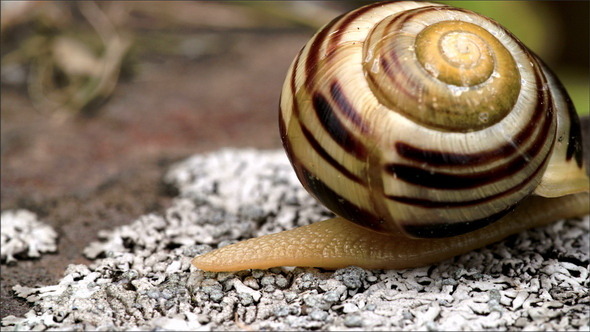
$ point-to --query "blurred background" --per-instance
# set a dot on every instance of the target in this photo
(99, 98)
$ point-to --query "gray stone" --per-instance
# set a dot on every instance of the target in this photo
(353, 320)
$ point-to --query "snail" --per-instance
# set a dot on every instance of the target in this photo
(429, 131)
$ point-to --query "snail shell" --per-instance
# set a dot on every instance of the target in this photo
(419, 120)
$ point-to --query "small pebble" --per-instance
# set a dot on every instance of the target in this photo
(351, 277)
(154, 294)
(282, 311)
(281, 281)
(318, 315)
(290, 296)
(331, 297)
(216, 295)
(251, 282)
(353, 321)
(267, 280)
(167, 293)
(258, 273)
(349, 307)
(196, 250)
(246, 299)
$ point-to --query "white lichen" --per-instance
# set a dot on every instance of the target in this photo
(22, 235)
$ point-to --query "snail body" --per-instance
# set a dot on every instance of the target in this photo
(429, 131)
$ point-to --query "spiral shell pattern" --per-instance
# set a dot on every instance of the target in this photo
(418, 118)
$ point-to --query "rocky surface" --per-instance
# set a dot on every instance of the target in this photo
(141, 277)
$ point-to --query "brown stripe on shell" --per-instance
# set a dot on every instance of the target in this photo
(309, 136)
(346, 107)
(443, 180)
(389, 62)
(311, 61)
(297, 166)
(346, 21)
(440, 158)
(293, 83)
(336, 129)
(391, 65)
(393, 82)
(448, 229)
(327, 157)
(428, 203)
(407, 15)
(574, 145)
(338, 204)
